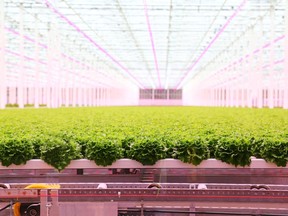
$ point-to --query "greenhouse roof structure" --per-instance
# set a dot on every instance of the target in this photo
(163, 44)
(154, 44)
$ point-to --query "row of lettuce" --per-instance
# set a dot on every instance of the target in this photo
(144, 134)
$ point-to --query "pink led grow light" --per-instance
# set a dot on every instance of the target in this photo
(46, 47)
(41, 62)
(54, 10)
(210, 44)
(25, 36)
(215, 75)
(254, 53)
(24, 56)
(152, 42)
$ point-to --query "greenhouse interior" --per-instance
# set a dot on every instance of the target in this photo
(143, 107)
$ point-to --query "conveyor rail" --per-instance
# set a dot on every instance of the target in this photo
(128, 194)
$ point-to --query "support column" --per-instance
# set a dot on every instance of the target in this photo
(250, 69)
(90, 91)
(21, 68)
(30, 94)
(50, 68)
(54, 209)
(66, 83)
(260, 76)
(37, 65)
(92, 103)
(3, 76)
(43, 203)
(285, 102)
(99, 96)
(12, 95)
(214, 96)
(272, 58)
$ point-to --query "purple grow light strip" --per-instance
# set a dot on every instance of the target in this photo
(254, 52)
(152, 42)
(49, 5)
(263, 67)
(266, 45)
(279, 61)
(46, 47)
(26, 37)
(24, 56)
(44, 63)
(83, 64)
(279, 38)
(211, 43)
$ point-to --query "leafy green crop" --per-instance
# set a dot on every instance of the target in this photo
(58, 152)
(15, 151)
(192, 150)
(104, 151)
(147, 150)
(234, 150)
(275, 151)
(145, 134)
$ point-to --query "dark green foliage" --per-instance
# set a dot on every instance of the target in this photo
(15, 151)
(146, 134)
(37, 141)
(104, 151)
(58, 152)
(211, 142)
(275, 151)
(234, 150)
(257, 146)
(127, 142)
(192, 150)
(82, 141)
(147, 150)
(12, 105)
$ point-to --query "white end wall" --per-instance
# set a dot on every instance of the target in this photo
(194, 95)
(125, 95)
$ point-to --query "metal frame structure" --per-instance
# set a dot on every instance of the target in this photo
(69, 53)
(265, 191)
(224, 199)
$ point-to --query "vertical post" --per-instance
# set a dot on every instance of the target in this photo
(22, 62)
(90, 95)
(97, 96)
(242, 68)
(142, 208)
(109, 97)
(214, 102)
(92, 91)
(255, 70)
(54, 209)
(285, 97)
(74, 85)
(3, 77)
(192, 209)
(105, 96)
(250, 69)
(272, 57)
(94, 96)
(260, 68)
(49, 72)
(43, 203)
(65, 89)
(101, 96)
(37, 68)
